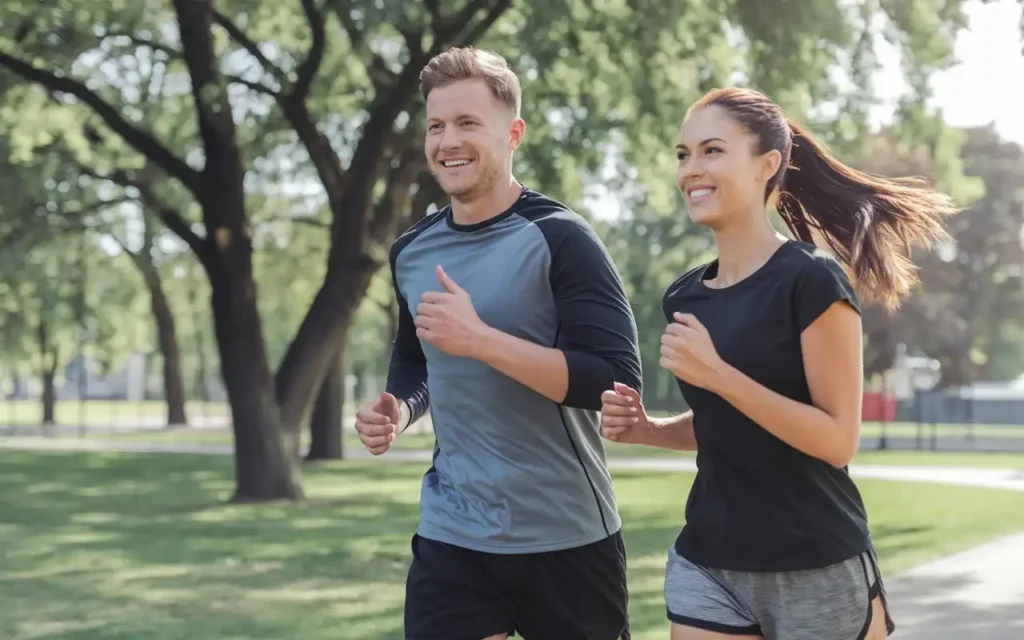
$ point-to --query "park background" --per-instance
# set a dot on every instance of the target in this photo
(198, 201)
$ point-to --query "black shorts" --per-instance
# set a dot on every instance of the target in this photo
(454, 593)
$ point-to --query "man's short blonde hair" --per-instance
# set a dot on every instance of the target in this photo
(470, 63)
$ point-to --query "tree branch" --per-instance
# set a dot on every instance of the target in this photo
(314, 58)
(350, 224)
(396, 197)
(459, 30)
(142, 141)
(249, 45)
(139, 41)
(310, 222)
(171, 217)
(258, 87)
(343, 9)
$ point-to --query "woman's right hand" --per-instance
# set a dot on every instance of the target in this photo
(623, 418)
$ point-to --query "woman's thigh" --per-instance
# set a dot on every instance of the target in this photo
(841, 601)
(681, 632)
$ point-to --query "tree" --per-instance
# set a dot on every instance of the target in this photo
(971, 297)
(598, 80)
(265, 465)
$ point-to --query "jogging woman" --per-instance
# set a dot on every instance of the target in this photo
(765, 341)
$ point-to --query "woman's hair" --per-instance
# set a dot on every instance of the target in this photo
(868, 221)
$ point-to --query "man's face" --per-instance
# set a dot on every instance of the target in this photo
(470, 138)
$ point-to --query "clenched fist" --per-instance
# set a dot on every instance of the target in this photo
(623, 418)
(377, 423)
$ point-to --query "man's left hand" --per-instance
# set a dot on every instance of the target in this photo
(447, 320)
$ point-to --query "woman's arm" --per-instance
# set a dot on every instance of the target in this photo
(671, 433)
(624, 419)
(830, 428)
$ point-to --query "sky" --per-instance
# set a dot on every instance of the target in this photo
(988, 83)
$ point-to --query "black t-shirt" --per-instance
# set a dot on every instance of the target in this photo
(757, 503)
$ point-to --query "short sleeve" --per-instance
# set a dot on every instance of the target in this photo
(821, 283)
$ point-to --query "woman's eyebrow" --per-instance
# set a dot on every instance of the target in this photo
(702, 142)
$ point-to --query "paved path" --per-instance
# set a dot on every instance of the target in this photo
(975, 595)
(975, 477)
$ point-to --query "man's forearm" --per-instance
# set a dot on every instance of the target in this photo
(542, 369)
(404, 415)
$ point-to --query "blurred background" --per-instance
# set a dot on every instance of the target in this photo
(197, 204)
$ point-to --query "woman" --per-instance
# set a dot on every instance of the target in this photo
(765, 341)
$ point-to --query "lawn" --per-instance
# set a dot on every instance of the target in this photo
(413, 440)
(105, 546)
(105, 413)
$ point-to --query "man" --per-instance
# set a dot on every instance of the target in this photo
(512, 322)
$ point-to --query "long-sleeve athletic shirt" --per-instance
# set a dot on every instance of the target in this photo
(513, 471)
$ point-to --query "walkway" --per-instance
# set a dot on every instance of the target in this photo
(978, 594)
(974, 595)
(974, 477)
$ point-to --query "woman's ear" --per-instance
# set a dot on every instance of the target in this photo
(770, 163)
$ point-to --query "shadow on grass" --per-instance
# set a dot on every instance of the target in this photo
(129, 546)
(132, 545)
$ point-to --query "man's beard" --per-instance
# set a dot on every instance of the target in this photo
(464, 190)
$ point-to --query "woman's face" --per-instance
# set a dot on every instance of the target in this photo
(719, 174)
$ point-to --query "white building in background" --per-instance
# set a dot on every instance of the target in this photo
(133, 380)
(82, 376)
(912, 373)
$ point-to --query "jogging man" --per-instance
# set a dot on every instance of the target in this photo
(512, 322)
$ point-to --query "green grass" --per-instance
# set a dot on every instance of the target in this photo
(413, 440)
(126, 546)
(101, 412)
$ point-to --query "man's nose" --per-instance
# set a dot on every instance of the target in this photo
(450, 140)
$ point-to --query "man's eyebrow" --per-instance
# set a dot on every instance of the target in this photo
(459, 116)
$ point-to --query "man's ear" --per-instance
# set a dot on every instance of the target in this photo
(516, 131)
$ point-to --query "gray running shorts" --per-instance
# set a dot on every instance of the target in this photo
(831, 603)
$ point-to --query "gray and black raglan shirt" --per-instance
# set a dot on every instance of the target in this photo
(514, 472)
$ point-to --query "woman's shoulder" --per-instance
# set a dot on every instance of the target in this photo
(804, 257)
(820, 280)
(688, 280)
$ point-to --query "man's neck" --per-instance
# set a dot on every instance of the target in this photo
(488, 205)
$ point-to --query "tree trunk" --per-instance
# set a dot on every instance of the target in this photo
(202, 373)
(326, 424)
(266, 460)
(321, 338)
(174, 383)
(49, 398)
(48, 370)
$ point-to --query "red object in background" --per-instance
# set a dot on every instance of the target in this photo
(878, 407)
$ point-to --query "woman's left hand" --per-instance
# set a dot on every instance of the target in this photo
(688, 352)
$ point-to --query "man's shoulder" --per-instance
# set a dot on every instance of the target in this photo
(417, 228)
(556, 220)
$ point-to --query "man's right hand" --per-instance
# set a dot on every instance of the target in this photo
(623, 418)
(377, 423)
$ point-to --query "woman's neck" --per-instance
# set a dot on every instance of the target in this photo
(743, 249)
